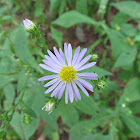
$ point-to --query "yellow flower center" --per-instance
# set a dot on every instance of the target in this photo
(67, 73)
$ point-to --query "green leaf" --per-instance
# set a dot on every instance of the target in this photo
(57, 35)
(131, 92)
(34, 98)
(68, 113)
(135, 106)
(130, 8)
(101, 72)
(23, 130)
(113, 131)
(5, 79)
(21, 79)
(71, 18)
(118, 42)
(81, 6)
(132, 122)
(97, 136)
(86, 105)
(28, 110)
(126, 59)
(9, 92)
(84, 128)
(128, 29)
(22, 49)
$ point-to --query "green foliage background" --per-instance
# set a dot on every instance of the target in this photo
(113, 33)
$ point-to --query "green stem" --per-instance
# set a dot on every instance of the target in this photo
(14, 107)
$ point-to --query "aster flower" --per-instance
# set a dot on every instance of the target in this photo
(28, 24)
(67, 77)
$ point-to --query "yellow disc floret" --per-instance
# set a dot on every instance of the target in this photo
(67, 73)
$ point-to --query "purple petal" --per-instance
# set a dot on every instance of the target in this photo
(83, 61)
(59, 56)
(57, 89)
(54, 57)
(76, 90)
(51, 64)
(82, 88)
(61, 91)
(88, 75)
(70, 92)
(66, 51)
(66, 94)
(52, 87)
(61, 53)
(69, 54)
(52, 61)
(48, 68)
(51, 82)
(76, 54)
(47, 77)
(86, 84)
(87, 66)
(81, 55)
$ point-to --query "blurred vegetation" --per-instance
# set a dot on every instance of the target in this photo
(109, 28)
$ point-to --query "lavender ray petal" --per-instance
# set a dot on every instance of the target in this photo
(76, 90)
(69, 54)
(76, 54)
(82, 88)
(83, 61)
(52, 61)
(61, 91)
(57, 89)
(74, 95)
(51, 64)
(81, 55)
(66, 51)
(54, 57)
(52, 87)
(87, 66)
(49, 77)
(70, 92)
(66, 95)
(61, 53)
(51, 82)
(59, 56)
(87, 74)
(48, 68)
(86, 84)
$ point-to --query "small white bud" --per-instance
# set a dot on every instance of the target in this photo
(49, 107)
(28, 24)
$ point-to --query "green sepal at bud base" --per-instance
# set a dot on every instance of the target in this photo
(100, 83)
(94, 57)
(27, 119)
(50, 105)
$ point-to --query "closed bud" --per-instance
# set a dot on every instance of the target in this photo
(27, 119)
(29, 25)
(50, 105)
(94, 57)
(100, 83)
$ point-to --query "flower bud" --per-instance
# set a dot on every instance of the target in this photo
(50, 105)
(27, 119)
(94, 57)
(100, 83)
(29, 25)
